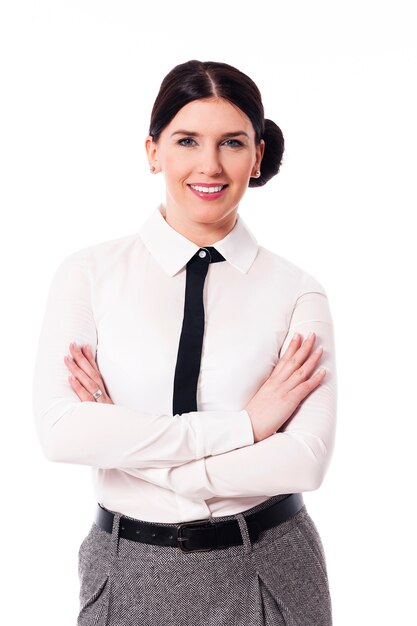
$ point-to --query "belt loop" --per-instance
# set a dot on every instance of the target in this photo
(115, 538)
(244, 531)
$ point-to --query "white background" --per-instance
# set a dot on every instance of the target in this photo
(78, 80)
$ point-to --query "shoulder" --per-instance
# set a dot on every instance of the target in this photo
(102, 255)
(285, 272)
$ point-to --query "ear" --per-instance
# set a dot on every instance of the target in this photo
(260, 149)
(151, 151)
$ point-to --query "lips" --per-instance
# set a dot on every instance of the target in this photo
(203, 193)
(219, 184)
(204, 187)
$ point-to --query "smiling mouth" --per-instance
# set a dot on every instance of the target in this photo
(208, 190)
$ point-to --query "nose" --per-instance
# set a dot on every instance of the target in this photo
(210, 163)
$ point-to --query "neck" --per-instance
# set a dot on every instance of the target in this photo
(200, 233)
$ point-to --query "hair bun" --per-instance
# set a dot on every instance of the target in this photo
(273, 153)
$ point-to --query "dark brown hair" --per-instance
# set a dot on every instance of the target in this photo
(196, 80)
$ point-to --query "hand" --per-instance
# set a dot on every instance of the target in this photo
(86, 377)
(286, 387)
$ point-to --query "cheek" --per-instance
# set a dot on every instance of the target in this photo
(240, 169)
(175, 168)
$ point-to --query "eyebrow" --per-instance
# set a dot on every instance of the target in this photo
(194, 134)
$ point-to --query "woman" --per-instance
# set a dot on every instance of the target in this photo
(181, 364)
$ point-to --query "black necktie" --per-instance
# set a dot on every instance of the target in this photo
(187, 369)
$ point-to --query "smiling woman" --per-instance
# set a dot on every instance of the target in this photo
(207, 163)
(193, 395)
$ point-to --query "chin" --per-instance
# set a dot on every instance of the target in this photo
(209, 214)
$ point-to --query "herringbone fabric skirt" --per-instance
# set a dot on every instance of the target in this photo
(278, 580)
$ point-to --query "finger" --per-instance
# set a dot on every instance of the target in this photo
(90, 379)
(288, 364)
(292, 347)
(83, 362)
(304, 371)
(103, 398)
(302, 390)
(77, 372)
(87, 393)
(84, 355)
(89, 384)
(89, 356)
(82, 393)
(79, 389)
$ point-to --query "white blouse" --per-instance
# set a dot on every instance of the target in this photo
(125, 298)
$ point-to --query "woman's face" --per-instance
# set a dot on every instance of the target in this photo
(208, 143)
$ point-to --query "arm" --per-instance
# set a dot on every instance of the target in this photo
(296, 458)
(108, 435)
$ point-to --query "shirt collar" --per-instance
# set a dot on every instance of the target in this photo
(173, 251)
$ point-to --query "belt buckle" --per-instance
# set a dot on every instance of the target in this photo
(181, 539)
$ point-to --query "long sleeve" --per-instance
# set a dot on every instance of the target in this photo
(107, 435)
(296, 458)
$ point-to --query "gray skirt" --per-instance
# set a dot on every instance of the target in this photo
(278, 580)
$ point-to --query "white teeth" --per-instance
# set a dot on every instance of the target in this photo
(207, 189)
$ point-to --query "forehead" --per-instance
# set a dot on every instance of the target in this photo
(215, 115)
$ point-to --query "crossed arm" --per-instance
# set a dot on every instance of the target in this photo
(295, 459)
(199, 455)
(109, 435)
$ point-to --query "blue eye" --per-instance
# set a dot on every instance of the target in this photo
(188, 142)
(185, 139)
(235, 141)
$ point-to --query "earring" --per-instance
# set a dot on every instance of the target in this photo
(257, 174)
(152, 169)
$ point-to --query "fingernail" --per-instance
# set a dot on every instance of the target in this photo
(296, 335)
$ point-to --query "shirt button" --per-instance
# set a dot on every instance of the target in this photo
(202, 254)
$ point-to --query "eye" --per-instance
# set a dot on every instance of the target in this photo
(236, 142)
(180, 141)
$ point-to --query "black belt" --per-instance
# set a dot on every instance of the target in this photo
(202, 535)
